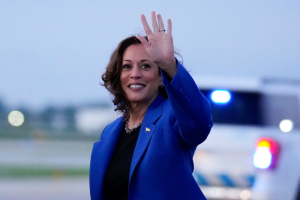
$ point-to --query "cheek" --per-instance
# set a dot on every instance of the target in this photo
(123, 87)
(122, 79)
(155, 76)
(156, 82)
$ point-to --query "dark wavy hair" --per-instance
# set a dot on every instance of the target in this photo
(111, 77)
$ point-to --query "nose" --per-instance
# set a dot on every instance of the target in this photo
(135, 72)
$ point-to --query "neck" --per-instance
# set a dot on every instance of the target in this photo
(136, 114)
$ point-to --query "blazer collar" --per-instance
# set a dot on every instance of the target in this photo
(148, 127)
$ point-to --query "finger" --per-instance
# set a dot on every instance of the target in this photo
(143, 41)
(145, 25)
(161, 26)
(169, 27)
(154, 22)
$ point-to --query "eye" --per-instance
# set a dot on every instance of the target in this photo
(146, 66)
(125, 66)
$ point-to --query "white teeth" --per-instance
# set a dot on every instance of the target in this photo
(136, 86)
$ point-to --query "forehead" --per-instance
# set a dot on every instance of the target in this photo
(136, 52)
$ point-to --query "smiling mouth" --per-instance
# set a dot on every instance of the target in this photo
(137, 86)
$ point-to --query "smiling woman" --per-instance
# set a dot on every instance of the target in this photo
(140, 77)
(148, 152)
(130, 57)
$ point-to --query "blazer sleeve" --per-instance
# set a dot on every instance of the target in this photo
(191, 109)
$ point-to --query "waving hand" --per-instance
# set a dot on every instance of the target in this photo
(160, 43)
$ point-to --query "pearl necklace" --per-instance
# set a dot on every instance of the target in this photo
(128, 130)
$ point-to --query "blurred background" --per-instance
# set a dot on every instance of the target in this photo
(53, 53)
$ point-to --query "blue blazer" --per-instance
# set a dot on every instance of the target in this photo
(162, 162)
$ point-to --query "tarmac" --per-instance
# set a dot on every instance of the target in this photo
(44, 189)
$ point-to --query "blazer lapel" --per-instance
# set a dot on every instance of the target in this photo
(147, 129)
(101, 155)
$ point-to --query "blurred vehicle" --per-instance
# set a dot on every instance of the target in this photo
(253, 150)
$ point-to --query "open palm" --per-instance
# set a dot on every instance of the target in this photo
(160, 43)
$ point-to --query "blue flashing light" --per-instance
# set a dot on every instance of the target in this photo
(220, 96)
(262, 158)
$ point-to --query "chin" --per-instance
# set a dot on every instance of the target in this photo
(139, 100)
(136, 100)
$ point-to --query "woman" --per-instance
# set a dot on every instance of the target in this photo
(147, 153)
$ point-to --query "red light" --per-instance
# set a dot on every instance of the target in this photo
(268, 143)
(262, 146)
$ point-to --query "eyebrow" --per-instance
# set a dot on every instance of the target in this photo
(141, 60)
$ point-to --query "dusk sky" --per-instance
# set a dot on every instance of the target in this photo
(54, 52)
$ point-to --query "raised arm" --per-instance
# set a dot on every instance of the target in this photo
(191, 109)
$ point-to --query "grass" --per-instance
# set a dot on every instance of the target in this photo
(33, 171)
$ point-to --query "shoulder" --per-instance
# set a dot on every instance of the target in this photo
(115, 122)
(111, 126)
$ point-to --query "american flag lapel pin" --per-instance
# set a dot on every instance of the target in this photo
(147, 129)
